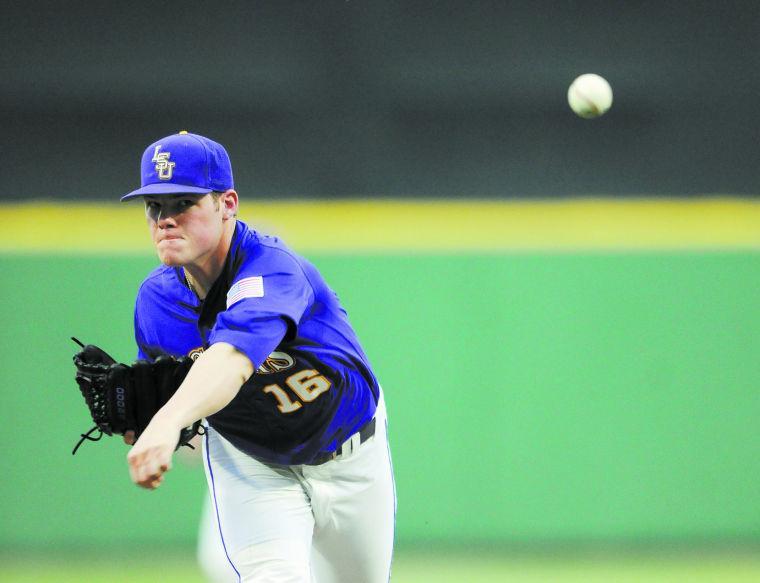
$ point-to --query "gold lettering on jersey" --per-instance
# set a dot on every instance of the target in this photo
(195, 353)
(164, 168)
(307, 384)
(276, 362)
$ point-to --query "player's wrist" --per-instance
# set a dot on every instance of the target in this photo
(171, 419)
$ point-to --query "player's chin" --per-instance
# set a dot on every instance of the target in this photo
(171, 257)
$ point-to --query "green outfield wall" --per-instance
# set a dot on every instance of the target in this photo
(533, 397)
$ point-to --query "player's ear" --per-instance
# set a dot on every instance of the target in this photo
(229, 202)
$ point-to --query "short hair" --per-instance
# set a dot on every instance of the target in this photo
(217, 194)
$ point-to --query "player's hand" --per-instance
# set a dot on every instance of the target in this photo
(151, 456)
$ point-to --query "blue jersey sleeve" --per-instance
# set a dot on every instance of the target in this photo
(140, 337)
(265, 304)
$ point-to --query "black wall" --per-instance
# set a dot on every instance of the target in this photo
(384, 98)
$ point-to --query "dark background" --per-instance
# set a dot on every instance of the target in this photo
(383, 98)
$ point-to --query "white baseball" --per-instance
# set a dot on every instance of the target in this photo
(589, 95)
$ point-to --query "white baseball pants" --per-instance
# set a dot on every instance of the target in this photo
(322, 524)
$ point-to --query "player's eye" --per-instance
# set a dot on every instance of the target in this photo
(152, 209)
(182, 204)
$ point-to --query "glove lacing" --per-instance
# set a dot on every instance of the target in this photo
(86, 436)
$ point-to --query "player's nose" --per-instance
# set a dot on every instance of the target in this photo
(165, 218)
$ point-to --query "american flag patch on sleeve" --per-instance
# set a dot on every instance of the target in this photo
(250, 287)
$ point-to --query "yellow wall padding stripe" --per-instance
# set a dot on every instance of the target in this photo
(412, 226)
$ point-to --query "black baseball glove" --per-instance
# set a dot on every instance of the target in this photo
(125, 398)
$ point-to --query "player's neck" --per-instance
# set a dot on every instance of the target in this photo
(202, 274)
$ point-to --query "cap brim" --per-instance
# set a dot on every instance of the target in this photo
(166, 188)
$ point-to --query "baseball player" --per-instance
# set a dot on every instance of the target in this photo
(295, 446)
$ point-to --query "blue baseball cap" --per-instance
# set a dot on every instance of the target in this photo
(183, 163)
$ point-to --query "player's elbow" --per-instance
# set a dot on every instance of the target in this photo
(235, 362)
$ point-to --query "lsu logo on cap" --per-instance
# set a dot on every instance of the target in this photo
(164, 168)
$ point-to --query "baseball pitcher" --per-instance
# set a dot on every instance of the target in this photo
(241, 339)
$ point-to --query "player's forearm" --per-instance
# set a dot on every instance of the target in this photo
(213, 381)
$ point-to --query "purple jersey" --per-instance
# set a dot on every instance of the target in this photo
(313, 386)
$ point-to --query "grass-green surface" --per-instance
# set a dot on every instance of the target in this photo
(531, 397)
(416, 567)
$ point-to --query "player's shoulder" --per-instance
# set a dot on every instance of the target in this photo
(265, 249)
(158, 282)
(268, 255)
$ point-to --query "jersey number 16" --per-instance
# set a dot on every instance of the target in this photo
(307, 384)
